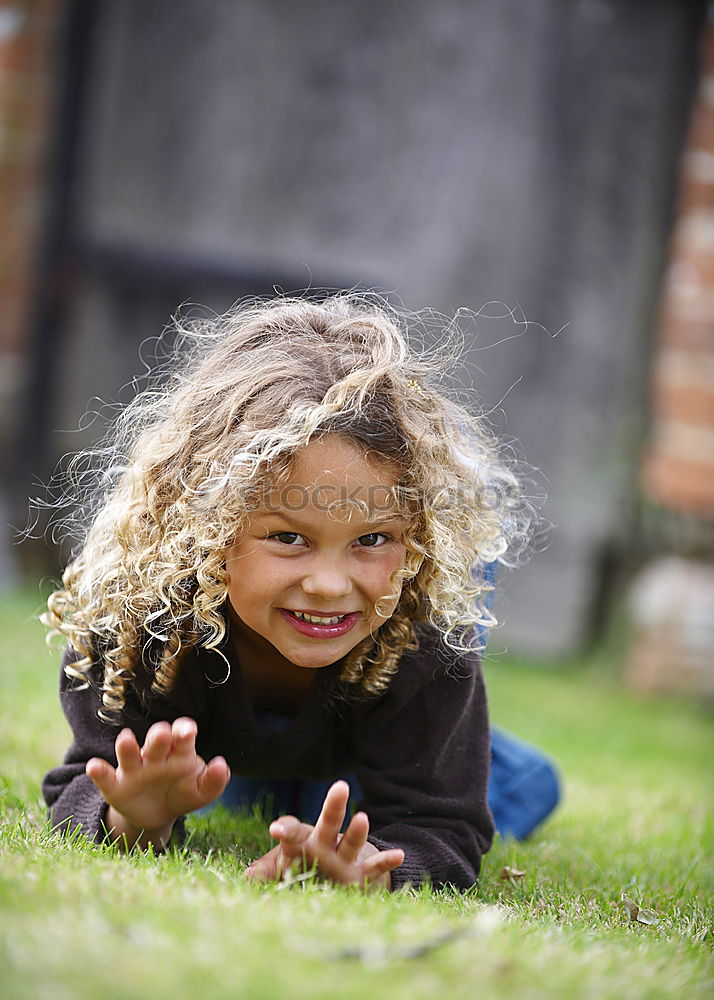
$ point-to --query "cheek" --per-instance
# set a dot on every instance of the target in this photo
(243, 558)
(382, 580)
(242, 565)
(232, 557)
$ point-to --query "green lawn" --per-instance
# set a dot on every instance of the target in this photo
(81, 922)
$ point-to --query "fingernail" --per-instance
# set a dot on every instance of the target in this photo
(277, 829)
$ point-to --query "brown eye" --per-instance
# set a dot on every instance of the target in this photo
(374, 535)
(286, 537)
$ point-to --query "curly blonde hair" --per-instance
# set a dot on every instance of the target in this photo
(239, 397)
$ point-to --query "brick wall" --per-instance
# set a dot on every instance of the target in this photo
(678, 470)
(28, 31)
(672, 599)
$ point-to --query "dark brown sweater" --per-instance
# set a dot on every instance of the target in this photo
(420, 751)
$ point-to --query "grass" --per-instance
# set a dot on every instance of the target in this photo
(78, 921)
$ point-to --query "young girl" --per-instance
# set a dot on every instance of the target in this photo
(283, 579)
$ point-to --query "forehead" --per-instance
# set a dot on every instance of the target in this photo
(332, 474)
(336, 459)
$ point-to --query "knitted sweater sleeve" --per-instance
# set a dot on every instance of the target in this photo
(424, 772)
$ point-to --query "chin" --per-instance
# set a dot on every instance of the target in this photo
(315, 662)
(313, 659)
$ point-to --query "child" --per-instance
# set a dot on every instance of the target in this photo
(281, 580)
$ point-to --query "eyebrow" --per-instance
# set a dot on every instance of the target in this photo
(292, 519)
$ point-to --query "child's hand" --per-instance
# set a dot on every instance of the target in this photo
(155, 784)
(344, 858)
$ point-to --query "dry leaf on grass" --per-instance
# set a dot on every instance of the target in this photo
(638, 915)
(511, 874)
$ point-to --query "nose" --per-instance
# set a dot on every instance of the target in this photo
(327, 577)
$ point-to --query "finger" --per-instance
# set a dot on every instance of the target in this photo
(102, 774)
(354, 838)
(213, 779)
(290, 829)
(157, 744)
(293, 836)
(183, 735)
(332, 815)
(378, 865)
(127, 750)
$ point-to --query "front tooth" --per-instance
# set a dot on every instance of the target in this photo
(317, 621)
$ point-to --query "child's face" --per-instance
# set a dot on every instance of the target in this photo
(295, 557)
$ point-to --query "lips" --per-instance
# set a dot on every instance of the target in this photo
(317, 630)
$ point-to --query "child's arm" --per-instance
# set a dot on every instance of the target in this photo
(423, 769)
(155, 784)
(120, 768)
(348, 859)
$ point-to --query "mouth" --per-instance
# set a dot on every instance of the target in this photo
(322, 626)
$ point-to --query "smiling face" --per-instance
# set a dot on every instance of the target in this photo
(295, 561)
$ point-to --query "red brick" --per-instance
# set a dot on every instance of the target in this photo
(25, 101)
(24, 54)
(13, 319)
(679, 484)
(693, 404)
(15, 285)
(15, 238)
(701, 129)
(695, 195)
(22, 87)
(29, 49)
(13, 322)
(18, 180)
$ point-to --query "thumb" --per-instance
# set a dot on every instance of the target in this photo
(266, 868)
(212, 780)
(101, 773)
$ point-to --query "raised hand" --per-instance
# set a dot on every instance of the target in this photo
(345, 858)
(155, 784)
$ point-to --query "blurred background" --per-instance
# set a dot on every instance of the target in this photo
(548, 164)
